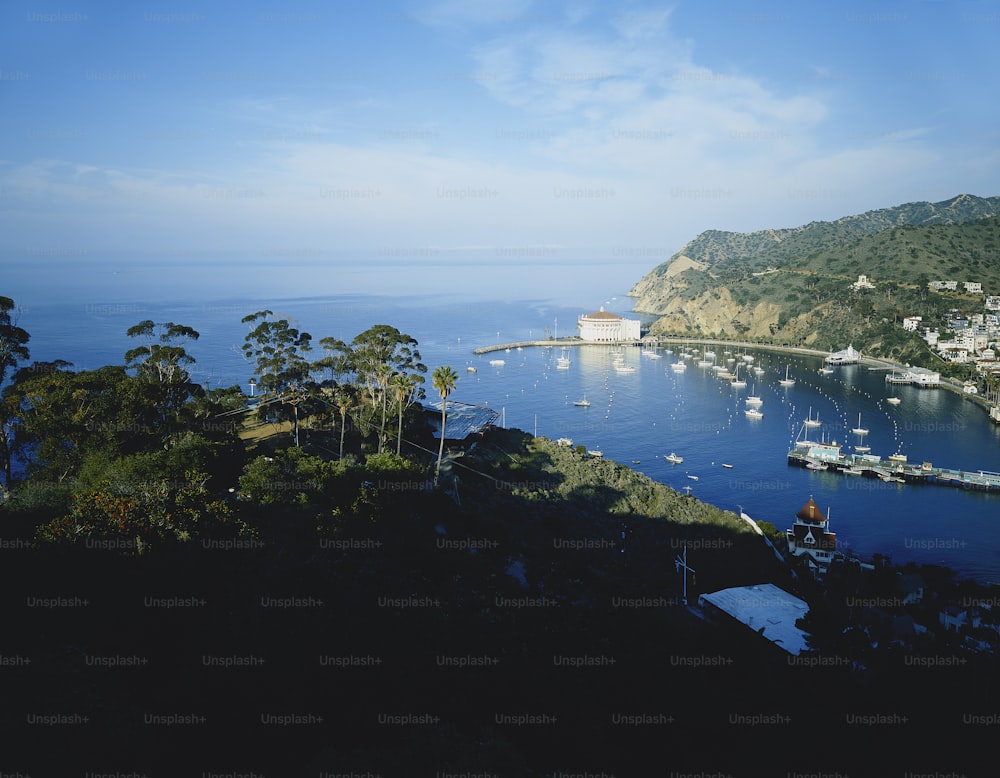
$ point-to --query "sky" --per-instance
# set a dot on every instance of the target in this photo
(546, 131)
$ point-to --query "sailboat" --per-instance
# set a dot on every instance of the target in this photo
(786, 381)
(562, 363)
(754, 399)
(861, 432)
(810, 421)
(737, 381)
(584, 403)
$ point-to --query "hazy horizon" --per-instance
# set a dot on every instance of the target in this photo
(503, 130)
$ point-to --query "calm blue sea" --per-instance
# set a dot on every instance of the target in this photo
(81, 313)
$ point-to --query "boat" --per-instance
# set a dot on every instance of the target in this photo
(672, 457)
(729, 467)
(692, 477)
(825, 370)
(753, 413)
(625, 369)
(562, 363)
(810, 421)
(595, 453)
(860, 431)
(497, 362)
(470, 369)
(893, 400)
(786, 381)
(897, 457)
(813, 465)
(678, 367)
(754, 399)
(584, 403)
(737, 382)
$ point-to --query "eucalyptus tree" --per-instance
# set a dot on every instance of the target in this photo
(444, 380)
(376, 355)
(161, 366)
(276, 349)
(13, 350)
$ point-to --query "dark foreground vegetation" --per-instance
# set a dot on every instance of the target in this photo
(189, 594)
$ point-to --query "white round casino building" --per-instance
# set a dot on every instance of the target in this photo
(604, 326)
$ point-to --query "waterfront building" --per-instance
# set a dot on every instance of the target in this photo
(810, 537)
(849, 356)
(602, 326)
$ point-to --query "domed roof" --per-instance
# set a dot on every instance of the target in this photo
(601, 314)
(811, 512)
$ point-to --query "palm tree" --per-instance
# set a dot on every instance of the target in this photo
(404, 389)
(345, 401)
(444, 380)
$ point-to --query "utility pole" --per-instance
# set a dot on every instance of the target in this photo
(681, 563)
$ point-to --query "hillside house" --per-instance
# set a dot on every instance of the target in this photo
(973, 287)
(862, 283)
(911, 323)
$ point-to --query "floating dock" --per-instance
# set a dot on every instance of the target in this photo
(829, 457)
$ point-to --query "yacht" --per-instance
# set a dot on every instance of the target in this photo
(753, 413)
(584, 403)
(786, 381)
(673, 458)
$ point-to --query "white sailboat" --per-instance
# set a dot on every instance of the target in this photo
(860, 431)
(786, 381)
(810, 421)
(737, 382)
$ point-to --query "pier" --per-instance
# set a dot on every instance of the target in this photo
(826, 456)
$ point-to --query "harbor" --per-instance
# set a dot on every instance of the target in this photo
(896, 468)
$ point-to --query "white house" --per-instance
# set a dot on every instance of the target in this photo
(863, 283)
(608, 327)
(910, 323)
(973, 287)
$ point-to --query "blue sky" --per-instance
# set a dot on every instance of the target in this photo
(581, 129)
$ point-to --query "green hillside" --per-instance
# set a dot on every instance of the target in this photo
(795, 286)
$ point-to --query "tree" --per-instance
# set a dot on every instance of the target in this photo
(276, 347)
(444, 380)
(161, 365)
(375, 356)
(345, 401)
(406, 389)
(64, 417)
(12, 351)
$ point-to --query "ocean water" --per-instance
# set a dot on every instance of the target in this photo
(637, 418)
